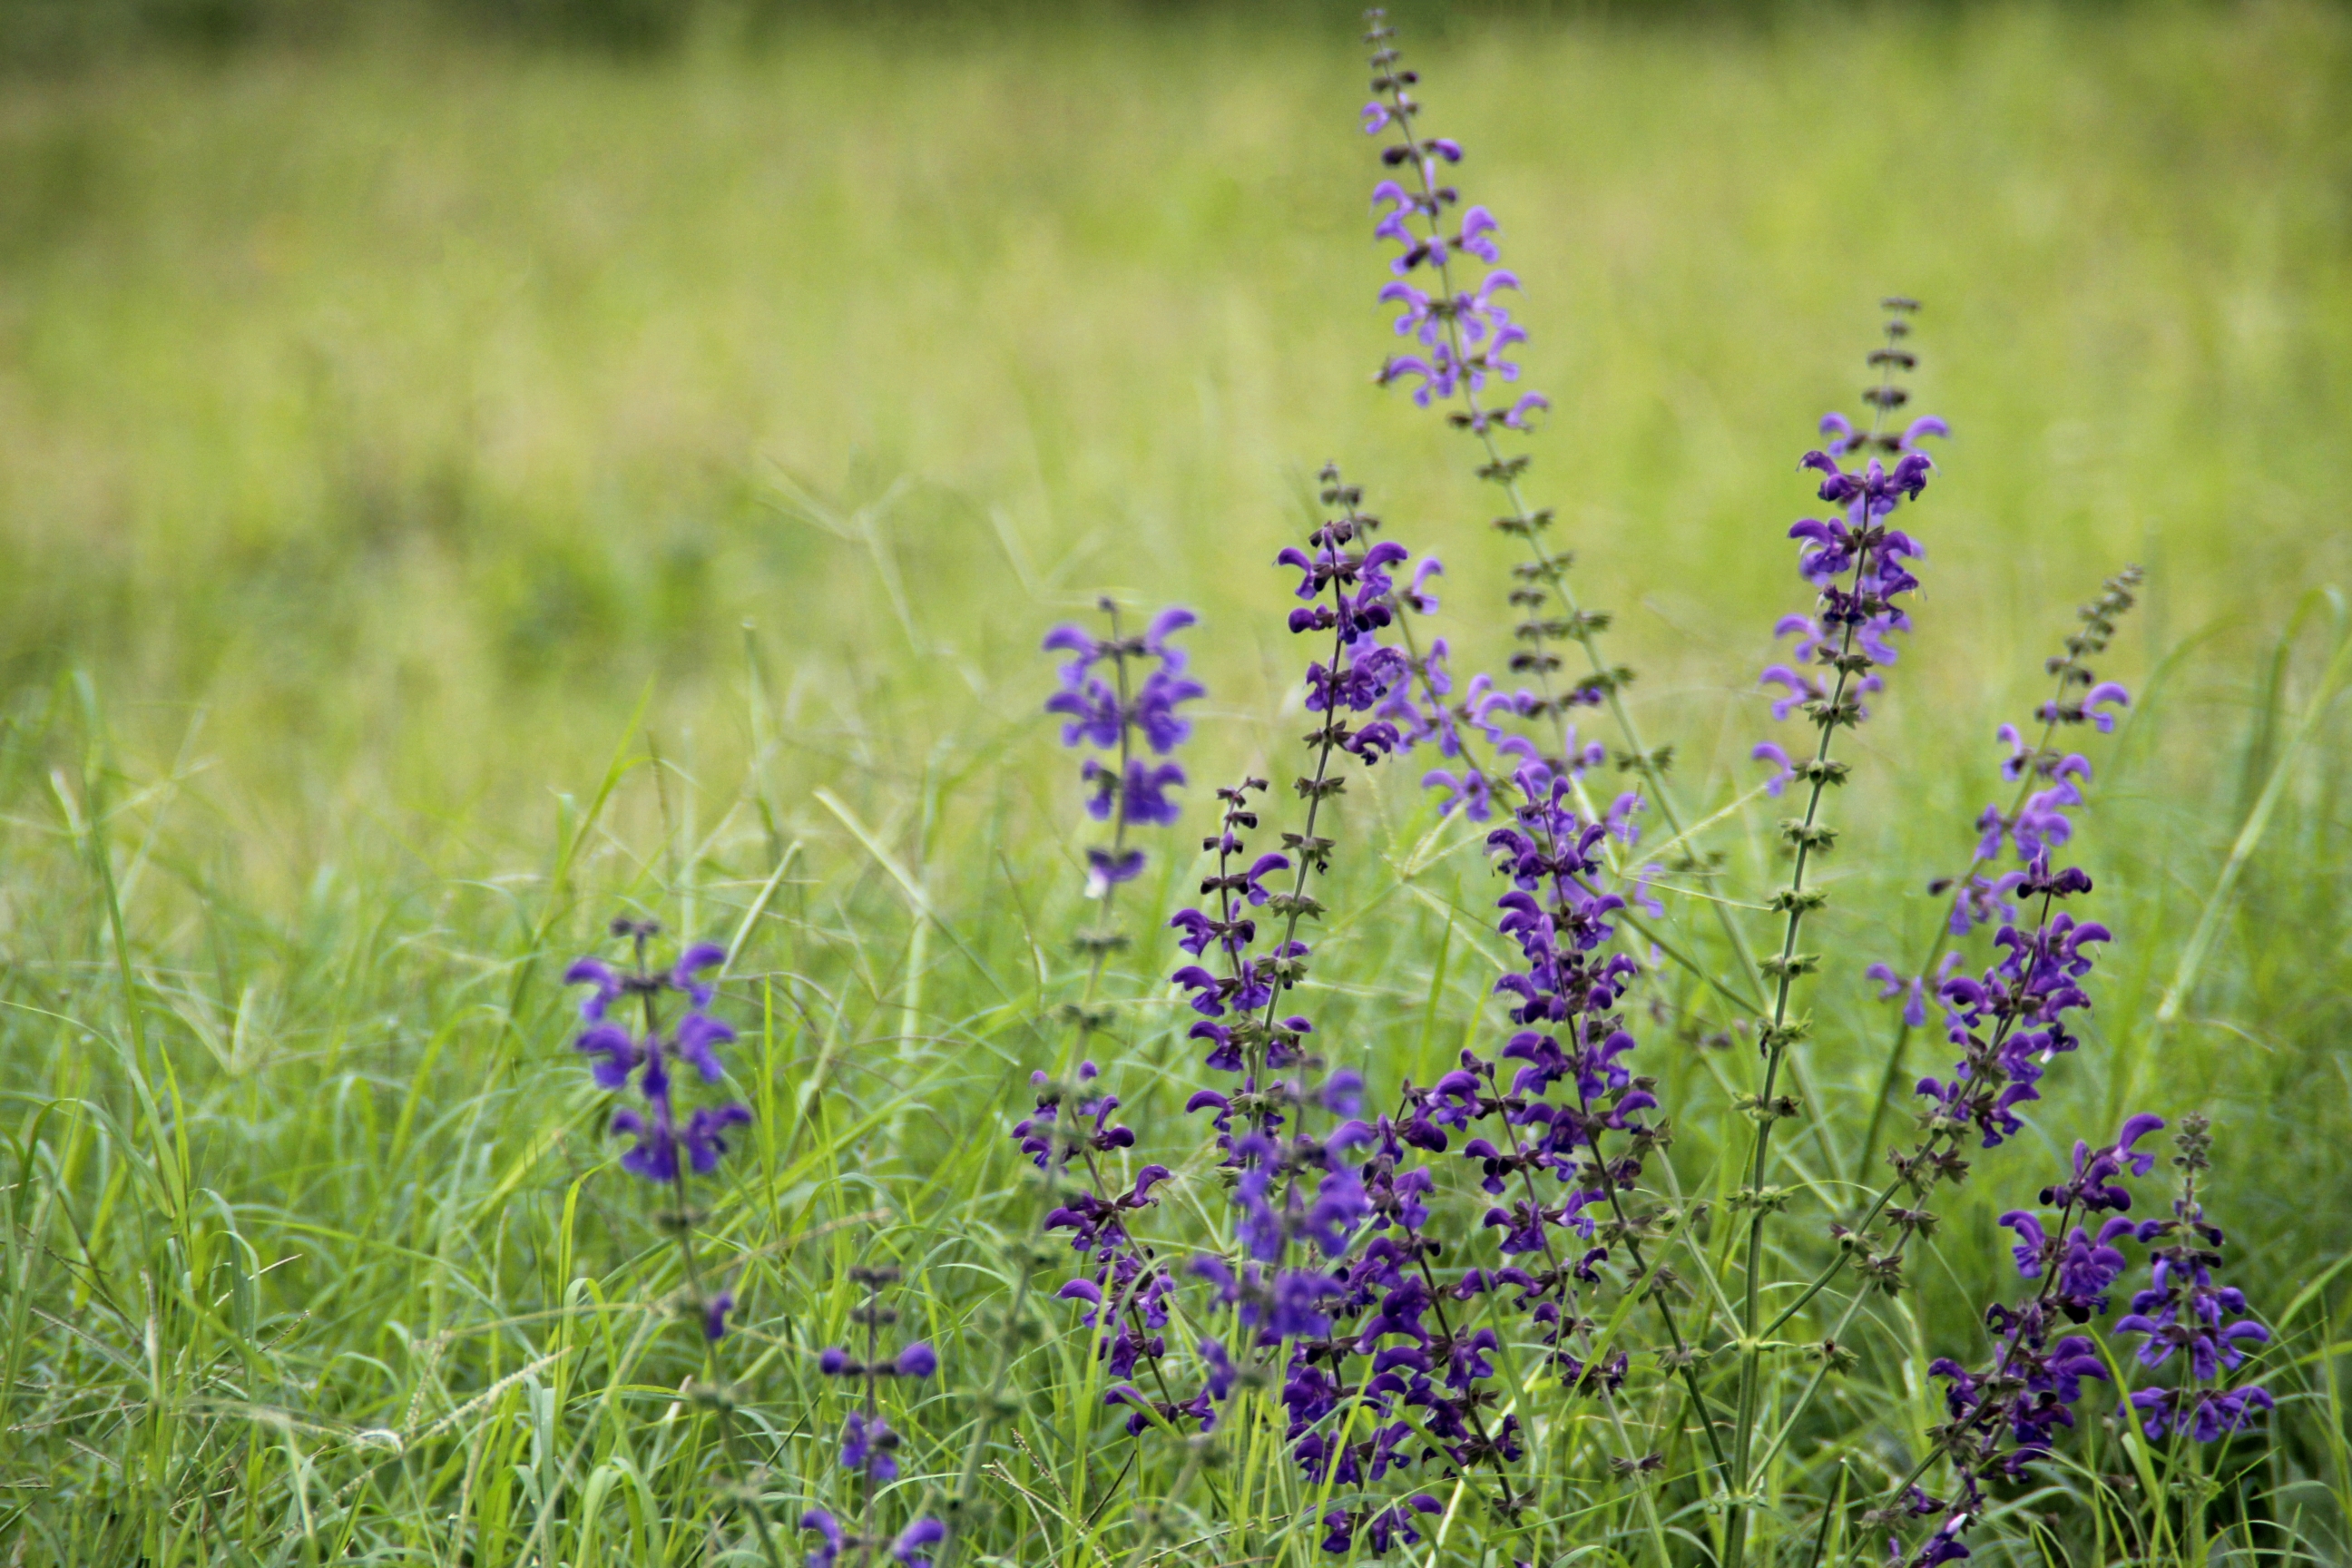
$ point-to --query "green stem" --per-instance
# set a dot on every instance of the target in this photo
(1583, 629)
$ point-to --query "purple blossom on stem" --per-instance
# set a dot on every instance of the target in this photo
(2006, 1417)
(2049, 777)
(1913, 991)
(667, 1147)
(1114, 714)
(2183, 1310)
(2011, 1021)
(2046, 777)
(869, 1444)
(1462, 333)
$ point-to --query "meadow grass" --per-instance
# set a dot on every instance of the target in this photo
(454, 496)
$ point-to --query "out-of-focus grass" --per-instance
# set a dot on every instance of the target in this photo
(394, 433)
(362, 397)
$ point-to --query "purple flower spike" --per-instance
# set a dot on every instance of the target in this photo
(2184, 1311)
(1127, 712)
(2051, 777)
(617, 1057)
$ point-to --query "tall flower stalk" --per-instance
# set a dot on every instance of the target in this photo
(1856, 562)
(869, 1447)
(669, 1149)
(2046, 777)
(1464, 336)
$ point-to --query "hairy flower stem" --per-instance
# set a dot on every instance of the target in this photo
(1942, 945)
(681, 1226)
(1776, 1042)
(1584, 627)
(2050, 1276)
(1887, 1196)
(1313, 852)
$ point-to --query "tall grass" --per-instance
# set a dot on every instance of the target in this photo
(454, 496)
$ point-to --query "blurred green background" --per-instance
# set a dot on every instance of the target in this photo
(375, 385)
(402, 412)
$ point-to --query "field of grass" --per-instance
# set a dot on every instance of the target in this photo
(453, 496)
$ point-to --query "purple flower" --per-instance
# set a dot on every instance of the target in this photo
(1106, 868)
(2092, 1188)
(617, 1057)
(1891, 986)
(2039, 822)
(596, 972)
(1112, 714)
(2206, 1414)
(696, 1038)
(703, 1138)
(691, 962)
(2184, 1310)
(617, 1053)
(1843, 437)
(2028, 992)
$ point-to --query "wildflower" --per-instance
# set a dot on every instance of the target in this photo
(2049, 776)
(619, 1058)
(1114, 714)
(2006, 1417)
(1463, 333)
(1913, 991)
(2184, 1311)
(869, 1446)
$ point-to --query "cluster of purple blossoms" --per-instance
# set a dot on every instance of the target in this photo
(1328, 1280)
(2050, 777)
(1300, 1199)
(2010, 1022)
(621, 1057)
(1463, 332)
(869, 1447)
(2183, 1310)
(1349, 592)
(2003, 1419)
(1856, 563)
(1126, 1292)
(1111, 715)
